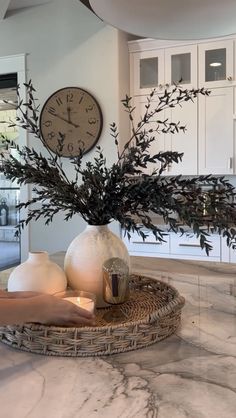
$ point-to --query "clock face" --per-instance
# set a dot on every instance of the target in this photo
(70, 120)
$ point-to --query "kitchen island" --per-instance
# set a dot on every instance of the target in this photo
(190, 374)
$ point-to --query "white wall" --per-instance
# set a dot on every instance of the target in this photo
(67, 45)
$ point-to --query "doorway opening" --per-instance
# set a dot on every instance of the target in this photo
(9, 191)
(13, 250)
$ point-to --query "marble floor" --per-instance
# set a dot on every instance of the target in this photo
(191, 374)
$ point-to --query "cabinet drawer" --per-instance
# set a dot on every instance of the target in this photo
(190, 245)
(150, 245)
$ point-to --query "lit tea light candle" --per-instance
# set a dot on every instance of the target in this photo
(82, 302)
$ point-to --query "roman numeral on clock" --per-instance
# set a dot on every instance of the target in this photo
(59, 101)
(51, 110)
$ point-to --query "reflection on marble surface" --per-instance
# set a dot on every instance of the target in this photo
(189, 375)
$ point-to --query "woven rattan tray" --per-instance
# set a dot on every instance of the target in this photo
(152, 313)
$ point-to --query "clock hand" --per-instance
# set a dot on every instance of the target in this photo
(69, 117)
(69, 114)
(73, 124)
(65, 120)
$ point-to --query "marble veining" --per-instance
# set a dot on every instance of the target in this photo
(192, 374)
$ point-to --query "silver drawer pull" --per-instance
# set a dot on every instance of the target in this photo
(146, 242)
(190, 245)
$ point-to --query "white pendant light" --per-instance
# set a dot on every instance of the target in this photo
(169, 19)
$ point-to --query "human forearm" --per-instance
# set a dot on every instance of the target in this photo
(17, 295)
(16, 311)
(44, 309)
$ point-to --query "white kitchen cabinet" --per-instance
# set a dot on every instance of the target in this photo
(160, 143)
(216, 64)
(148, 248)
(216, 132)
(162, 68)
(232, 255)
(181, 66)
(185, 142)
(147, 71)
(209, 142)
(228, 254)
(186, 246)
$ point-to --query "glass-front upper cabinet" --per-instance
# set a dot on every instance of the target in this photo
(181, 66)
(216, 64)
(147, 71)
(162, 69)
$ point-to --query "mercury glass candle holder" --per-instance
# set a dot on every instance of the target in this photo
(115, 286)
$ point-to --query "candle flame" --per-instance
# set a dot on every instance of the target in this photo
(78, 300)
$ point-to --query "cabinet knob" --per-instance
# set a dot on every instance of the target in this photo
(160, 86)
(230, 78)
(167, 85)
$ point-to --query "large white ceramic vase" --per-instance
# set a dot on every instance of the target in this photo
(85, 257)
(38, 273)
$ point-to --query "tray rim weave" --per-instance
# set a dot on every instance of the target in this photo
(12, 335)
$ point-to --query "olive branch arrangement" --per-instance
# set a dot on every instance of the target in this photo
(121, 192)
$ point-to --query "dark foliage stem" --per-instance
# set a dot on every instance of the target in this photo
(146, 117)
(122, 191)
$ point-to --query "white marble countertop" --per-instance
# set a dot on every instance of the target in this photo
(191, 374)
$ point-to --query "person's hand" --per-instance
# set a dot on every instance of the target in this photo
(18, 294)
(52, 310)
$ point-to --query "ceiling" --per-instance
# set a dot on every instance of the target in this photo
(6, 5)
(161, 19)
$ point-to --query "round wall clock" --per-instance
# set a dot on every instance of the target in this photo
(70, 120)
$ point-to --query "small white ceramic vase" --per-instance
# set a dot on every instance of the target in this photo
(39, 274)
(85, 257)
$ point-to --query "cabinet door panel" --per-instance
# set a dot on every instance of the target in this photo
(232, 255)
(185, 142)
(189, 245)
(216, 132)
(225, 252)
(149, 247)
(160, 143)
(181, 66)
(216, 64)
(228, 253)
(148, 71)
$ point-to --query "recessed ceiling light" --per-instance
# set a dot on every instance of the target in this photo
(215, 64)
